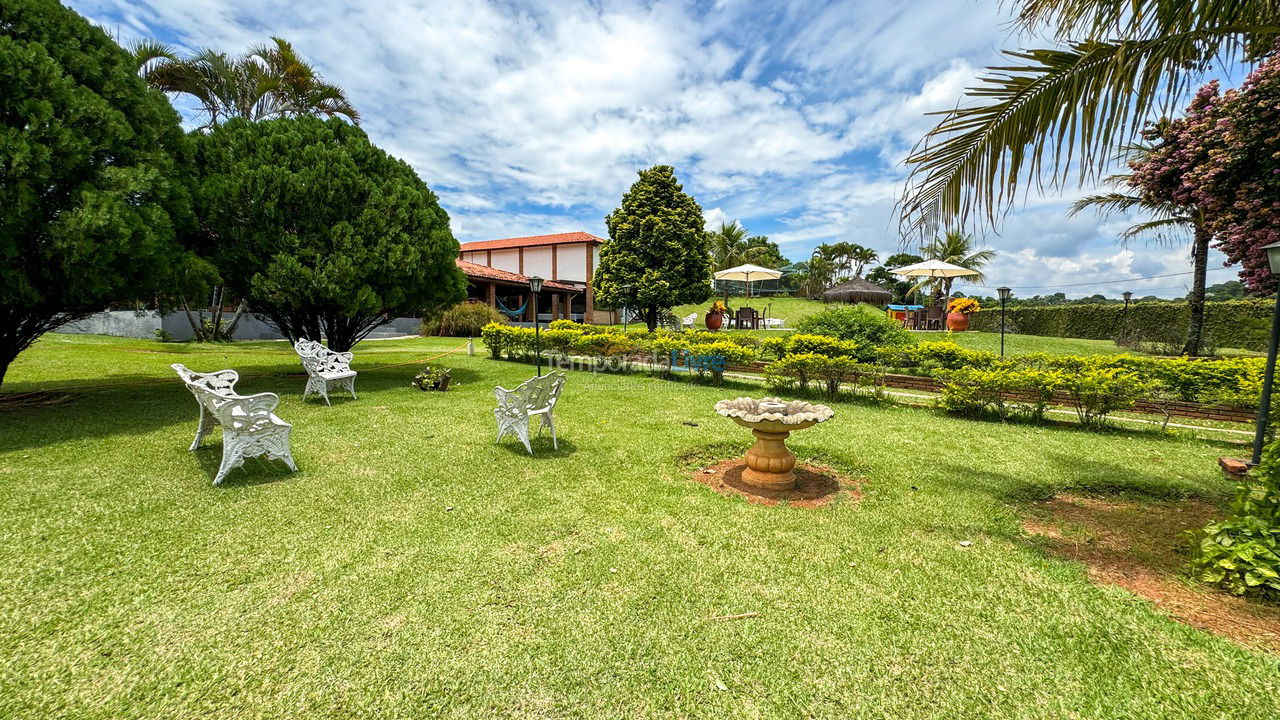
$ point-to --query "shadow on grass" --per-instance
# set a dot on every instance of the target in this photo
(138, 404)
(542, 448)
(254, 471)
(1081, 475)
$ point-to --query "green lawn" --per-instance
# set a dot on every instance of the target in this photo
(413, 568)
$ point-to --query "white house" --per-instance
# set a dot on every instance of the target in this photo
(498, 272)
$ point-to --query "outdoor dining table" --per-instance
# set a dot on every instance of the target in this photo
(905, 314)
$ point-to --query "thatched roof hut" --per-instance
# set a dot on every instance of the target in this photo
(858, 290)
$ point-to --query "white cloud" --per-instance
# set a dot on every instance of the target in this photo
(528, 117)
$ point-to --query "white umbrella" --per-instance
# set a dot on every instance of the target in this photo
(747, 273)
(935, 269)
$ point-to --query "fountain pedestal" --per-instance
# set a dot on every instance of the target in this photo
(769, 462)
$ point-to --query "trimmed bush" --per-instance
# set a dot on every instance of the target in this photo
(1002, 392)
(466, 319)
(1231, 323)
(862, 324)
(824, 345)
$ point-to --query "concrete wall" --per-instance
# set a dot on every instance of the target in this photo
(127, 323)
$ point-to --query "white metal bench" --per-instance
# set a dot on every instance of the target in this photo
(773, 323)
(249, 427)
(324, 368)
(534, 397)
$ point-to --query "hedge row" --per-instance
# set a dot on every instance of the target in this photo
(1224, 381)
(1231, 323)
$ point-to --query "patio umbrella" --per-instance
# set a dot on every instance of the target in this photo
(747, 273)
(935, 269)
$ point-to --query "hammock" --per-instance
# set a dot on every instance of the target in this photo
(513, 314)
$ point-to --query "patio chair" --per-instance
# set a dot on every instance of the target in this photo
(325, 367)
(534, 397)
(250, 426)
(689, 320)
(747, 317)
(932, 318)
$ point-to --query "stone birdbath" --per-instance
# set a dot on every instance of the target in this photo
(771, 420)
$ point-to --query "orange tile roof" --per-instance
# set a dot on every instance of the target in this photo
(532, 240)
(484, 272)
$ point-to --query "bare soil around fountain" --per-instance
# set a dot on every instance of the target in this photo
(815, 486)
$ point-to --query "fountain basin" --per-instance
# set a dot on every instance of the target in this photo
(772, 420)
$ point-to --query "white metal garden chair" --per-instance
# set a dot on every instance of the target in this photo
(250, 428)
(535, 397)
(324, 368)
(689, 320)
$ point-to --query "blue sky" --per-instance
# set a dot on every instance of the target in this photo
(792, 117)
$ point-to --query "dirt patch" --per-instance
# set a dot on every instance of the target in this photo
(1141, 547)
(815, 486)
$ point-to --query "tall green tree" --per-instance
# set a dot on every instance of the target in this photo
(91, 182)
(268, 81)
(1060, 111)
(657, 254)
(323, 232)
(957, 248)
(884, 277)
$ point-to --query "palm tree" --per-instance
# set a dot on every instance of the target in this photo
(862, 257)
(1111, 66)
(955, 247)
(268, 81)
(730, 246)
(1167, 221)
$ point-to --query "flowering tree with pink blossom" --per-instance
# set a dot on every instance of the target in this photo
(1223, 158)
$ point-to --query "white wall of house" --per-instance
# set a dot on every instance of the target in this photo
(571, 263)
(537, 261)
(508, 260)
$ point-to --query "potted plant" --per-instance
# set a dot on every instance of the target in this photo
(715, 315)
(432, 379)
(958, 312)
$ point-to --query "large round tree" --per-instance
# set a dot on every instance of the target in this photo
(90, 188)
(657, 254)
(324, 233)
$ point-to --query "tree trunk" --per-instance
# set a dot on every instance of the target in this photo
(197, 329)
(651, 317)
(1195, 303)
(235, 319)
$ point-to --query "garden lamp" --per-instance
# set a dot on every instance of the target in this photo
(1004, 298)
(626, 301)
(535, 287)
(1264, 405)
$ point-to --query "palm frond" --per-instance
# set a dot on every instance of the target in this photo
(1106, 204)
(1167, 230)
(1052, 111)
(149, 53)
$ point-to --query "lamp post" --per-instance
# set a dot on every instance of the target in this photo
(1264, 406)
(535, 287)
(1004, 298)
(626, 292)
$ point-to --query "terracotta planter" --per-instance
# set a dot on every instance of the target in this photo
(714, 320)
(957, 322)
